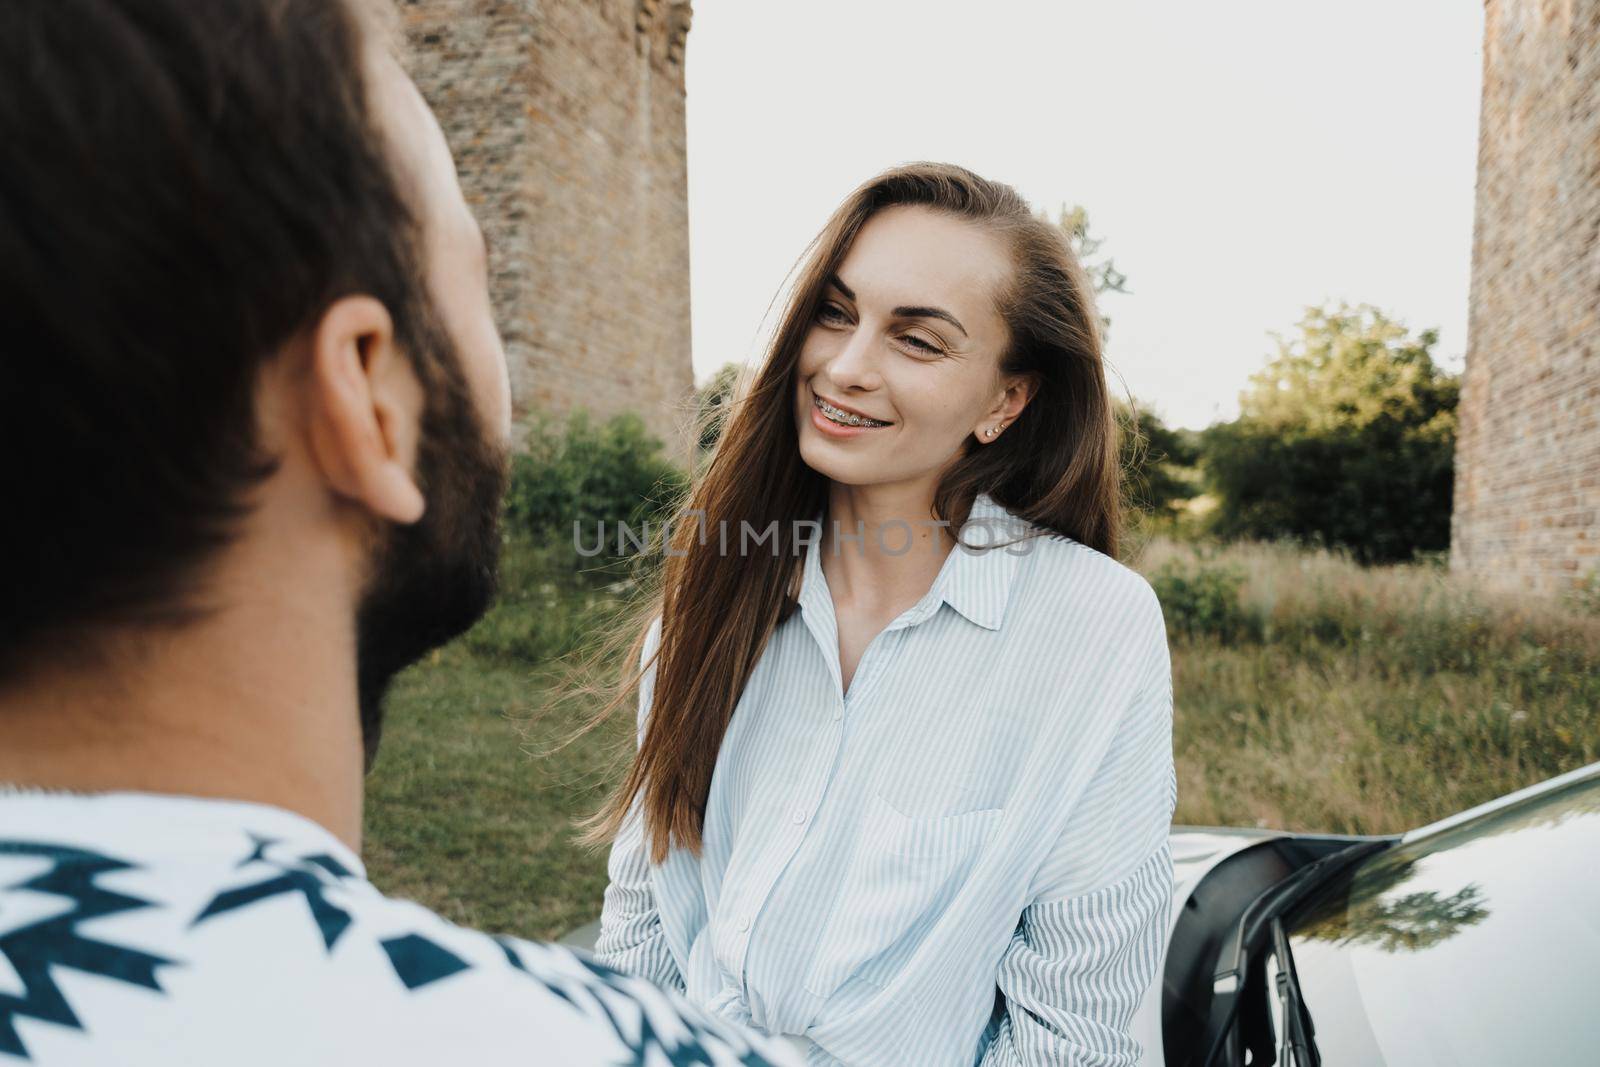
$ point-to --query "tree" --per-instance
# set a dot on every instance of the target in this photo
(1370, 913)
(1346, 438)
(711, 401)
(1103, 276)
(1152, 455)
(1347, 368)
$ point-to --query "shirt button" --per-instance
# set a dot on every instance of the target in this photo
(744, 923)
(838, 713)
(799, 816)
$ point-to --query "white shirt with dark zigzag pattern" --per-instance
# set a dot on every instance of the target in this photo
(140, 929)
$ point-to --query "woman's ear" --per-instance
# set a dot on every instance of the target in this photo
(365, 410)
(1018, 391)
(1024, 390)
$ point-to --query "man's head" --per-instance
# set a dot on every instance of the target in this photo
(241, 298)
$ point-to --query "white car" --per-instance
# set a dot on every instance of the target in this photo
(1472, 941)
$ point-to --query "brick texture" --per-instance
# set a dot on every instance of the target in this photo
(1527, 483)
(566, 119)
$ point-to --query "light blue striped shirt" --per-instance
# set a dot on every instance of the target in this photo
(986, 808)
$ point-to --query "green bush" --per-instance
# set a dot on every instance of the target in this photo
(1382, 490)
(594, 478)
(1205, 602)
(1345, 440)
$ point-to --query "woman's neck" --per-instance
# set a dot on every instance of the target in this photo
(882, 551)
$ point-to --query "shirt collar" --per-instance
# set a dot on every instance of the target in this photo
(173, 822)
(976, 581)
(979, 585)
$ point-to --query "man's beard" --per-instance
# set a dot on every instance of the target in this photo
(432, 579)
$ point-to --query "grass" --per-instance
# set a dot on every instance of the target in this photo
(460, 819)
(1310, 694)
(1344, 699)
(459, 815)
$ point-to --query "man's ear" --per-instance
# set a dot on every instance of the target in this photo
(365, 409)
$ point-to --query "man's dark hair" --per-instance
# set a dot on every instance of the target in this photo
(186, 186)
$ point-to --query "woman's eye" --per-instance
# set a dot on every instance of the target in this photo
(832, 313)
(922, 346)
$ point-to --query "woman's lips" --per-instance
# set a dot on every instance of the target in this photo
(818, 398)
(834, 429)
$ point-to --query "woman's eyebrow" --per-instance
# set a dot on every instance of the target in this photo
(916, 312)
(930, 313)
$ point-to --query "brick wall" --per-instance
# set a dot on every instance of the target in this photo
(566, 119)
(1527, 487)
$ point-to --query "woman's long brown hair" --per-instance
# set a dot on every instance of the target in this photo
(1056, 466)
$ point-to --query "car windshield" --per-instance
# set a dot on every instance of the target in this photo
(1472, 945)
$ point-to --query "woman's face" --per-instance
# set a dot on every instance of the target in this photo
(907, 334)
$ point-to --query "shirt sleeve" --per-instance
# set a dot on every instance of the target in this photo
(1093, 936)
(631, 938)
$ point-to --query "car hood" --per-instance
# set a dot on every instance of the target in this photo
(1197, 849)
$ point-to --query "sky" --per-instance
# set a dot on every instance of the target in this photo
(1240, 159)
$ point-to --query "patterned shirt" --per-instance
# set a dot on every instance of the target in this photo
(963, 858)
(140, 929)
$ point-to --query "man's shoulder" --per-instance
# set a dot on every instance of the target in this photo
(276, 948)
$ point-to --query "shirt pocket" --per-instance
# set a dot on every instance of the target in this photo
(903, 873)
(929, 803)
(950, 823)
(956, 769)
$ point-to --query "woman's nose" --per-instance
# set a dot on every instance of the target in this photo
(856, 363)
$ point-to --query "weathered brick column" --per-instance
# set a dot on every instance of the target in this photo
(566, 118)
(1527, 487)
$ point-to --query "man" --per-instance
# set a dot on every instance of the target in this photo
(255, 438)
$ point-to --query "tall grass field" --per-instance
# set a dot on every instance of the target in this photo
(1309, 694)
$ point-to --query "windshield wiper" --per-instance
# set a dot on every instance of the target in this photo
(1233, 964)
(1298, 1031)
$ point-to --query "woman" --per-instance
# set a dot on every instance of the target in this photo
(903, 799)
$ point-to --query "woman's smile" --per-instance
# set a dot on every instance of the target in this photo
(826, 417)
